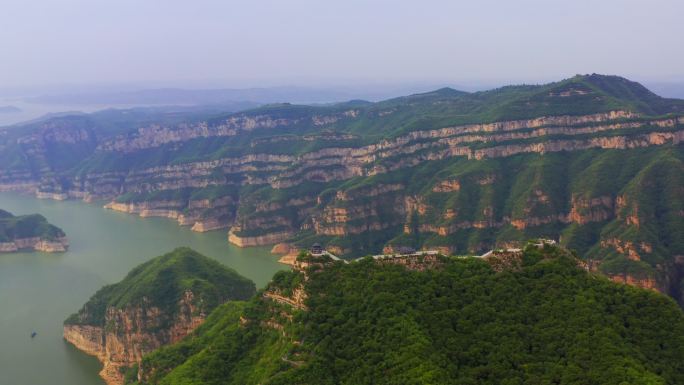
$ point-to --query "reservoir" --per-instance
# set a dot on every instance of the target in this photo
(39, 290)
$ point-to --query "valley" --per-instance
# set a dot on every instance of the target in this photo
(341, 193)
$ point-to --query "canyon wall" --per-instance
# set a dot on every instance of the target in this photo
(362, 178)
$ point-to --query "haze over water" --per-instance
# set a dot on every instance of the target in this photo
(39, 290)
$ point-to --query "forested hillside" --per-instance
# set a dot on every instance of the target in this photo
(535, 318)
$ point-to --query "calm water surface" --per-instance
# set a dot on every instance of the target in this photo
(39, 290)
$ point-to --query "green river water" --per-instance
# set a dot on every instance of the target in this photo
(39, 290)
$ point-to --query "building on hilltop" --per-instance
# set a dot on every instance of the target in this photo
(406, 250)
(316, 249)
(541, 242)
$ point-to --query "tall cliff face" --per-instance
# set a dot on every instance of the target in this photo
(158, 303)
(132, 332)
(343, 163)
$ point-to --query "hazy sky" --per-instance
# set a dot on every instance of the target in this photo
(314, 42)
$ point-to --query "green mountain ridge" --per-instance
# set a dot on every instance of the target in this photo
(541, 320)
(455, 171)
(162, 282)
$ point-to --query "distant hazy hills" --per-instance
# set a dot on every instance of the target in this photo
(8, 109)
(265, 95)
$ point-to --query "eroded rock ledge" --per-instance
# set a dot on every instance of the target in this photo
(132, 332)
(58, 245)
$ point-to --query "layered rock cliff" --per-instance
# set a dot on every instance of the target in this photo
(56, 245)
(132, 332)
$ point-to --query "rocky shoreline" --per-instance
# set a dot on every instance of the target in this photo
(260, 240)
(200, 216)
(58, 245)
(131, 333)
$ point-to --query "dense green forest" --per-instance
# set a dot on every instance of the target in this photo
(543, 320)
(26, 226)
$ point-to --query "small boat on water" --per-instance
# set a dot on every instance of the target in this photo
(33, 334)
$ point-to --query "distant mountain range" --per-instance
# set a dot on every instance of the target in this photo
(262, 95)
(178, 96)
(595, 161)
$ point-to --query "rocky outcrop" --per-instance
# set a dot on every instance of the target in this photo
(284, 248)
(157, 135)
(296, 299)
(210, 224)
(591, 210)
(132, 332)
(52, 246)
(258, 240)
(338, 163)
(52, 195)
(89, 339)
(644, 283)
(148, 208)
(630, 249)
(57, 245)
(202, 216)
(447, 186)
(289, 252)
